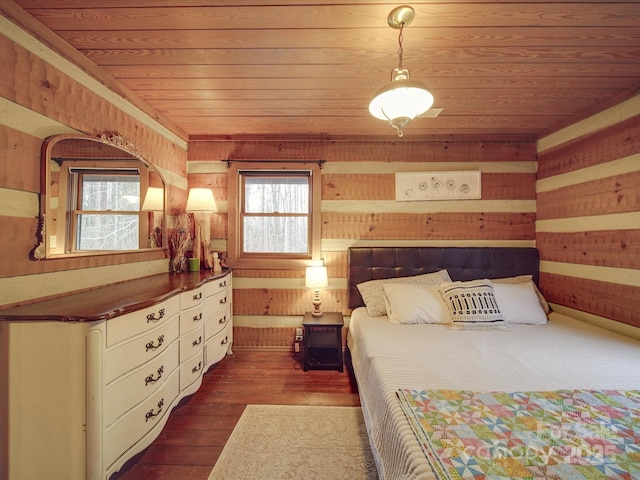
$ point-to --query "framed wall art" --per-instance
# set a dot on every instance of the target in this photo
(462, 185)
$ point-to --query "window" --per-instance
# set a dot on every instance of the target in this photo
(102, 208)
(274, 215)
(106, 211)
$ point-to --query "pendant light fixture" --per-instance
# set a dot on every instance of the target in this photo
(403, 99)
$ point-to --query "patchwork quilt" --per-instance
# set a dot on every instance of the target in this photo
(564, 434)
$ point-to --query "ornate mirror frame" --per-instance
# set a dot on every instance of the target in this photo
(106, 152)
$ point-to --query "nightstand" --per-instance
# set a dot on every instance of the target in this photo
(323, 341)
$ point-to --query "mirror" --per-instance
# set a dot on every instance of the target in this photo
(99, 196)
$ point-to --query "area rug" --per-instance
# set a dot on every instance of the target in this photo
(276, 442)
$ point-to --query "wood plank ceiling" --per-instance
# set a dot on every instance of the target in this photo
(308, 68)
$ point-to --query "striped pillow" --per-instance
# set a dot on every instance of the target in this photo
(472, 305)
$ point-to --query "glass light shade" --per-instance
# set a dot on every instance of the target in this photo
(401, 99)
(201, 200)
(153, 200)
(316, 277)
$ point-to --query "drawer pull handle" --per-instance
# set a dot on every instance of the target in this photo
(222, 284)
(223, 301)
(151, 379)
(198, 317)
(225, 341)
(197, 368)
(198, 296)
(223, 320)
(197, 342)
(151, 345)
(152, 316)
(152, 414)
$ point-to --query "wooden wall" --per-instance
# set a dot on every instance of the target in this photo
(588, 216)
(359, 208)
(42, 93)
(587, 196)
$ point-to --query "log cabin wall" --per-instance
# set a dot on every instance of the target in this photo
(358, 208)
(588, 217)
(42, 93)
(587, 246)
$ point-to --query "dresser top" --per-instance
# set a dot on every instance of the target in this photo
(110, 301)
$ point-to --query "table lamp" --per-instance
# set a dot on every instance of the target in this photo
(316, 278)
(201, 203)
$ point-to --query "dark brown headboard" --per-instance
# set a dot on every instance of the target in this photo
(462, 263)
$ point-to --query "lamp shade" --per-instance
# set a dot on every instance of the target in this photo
(153, 200)
(201, 200)
(316, 277)
(401, 99)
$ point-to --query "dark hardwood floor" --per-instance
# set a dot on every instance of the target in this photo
(199, 427)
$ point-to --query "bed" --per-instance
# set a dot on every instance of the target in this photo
(547, 397)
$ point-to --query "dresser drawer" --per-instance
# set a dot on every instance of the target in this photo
(218, 346)
(217, 285)
(191, 370)
(191, 298)
(135, 323)
(217, 303)
(135, 387)
(217, 322)
(134, 425)
(192, 318)
(141, 349)
(191, 343)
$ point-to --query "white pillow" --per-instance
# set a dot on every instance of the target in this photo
(525, 279)
(373, 294)
(472, 305)
(409, 304)
(519, 303)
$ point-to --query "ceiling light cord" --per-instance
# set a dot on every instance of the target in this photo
(400, 51)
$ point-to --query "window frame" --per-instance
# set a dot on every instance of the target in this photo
(235, 256)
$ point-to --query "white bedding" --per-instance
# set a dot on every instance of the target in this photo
(564, 354)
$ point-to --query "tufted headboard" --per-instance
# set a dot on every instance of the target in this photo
(462, 263)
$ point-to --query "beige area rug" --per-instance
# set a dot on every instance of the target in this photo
(277, 442)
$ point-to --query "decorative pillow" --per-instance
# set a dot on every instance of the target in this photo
(409, 304)
(373, 294)
(472, 305)
(525, 279)
(519, 303)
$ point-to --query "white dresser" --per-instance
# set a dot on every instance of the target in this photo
(85, 394)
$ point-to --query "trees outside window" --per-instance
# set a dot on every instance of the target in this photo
(107, 213)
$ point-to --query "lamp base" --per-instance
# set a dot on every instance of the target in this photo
(316, 304)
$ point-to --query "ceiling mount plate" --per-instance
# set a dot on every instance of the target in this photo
(401, 16)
